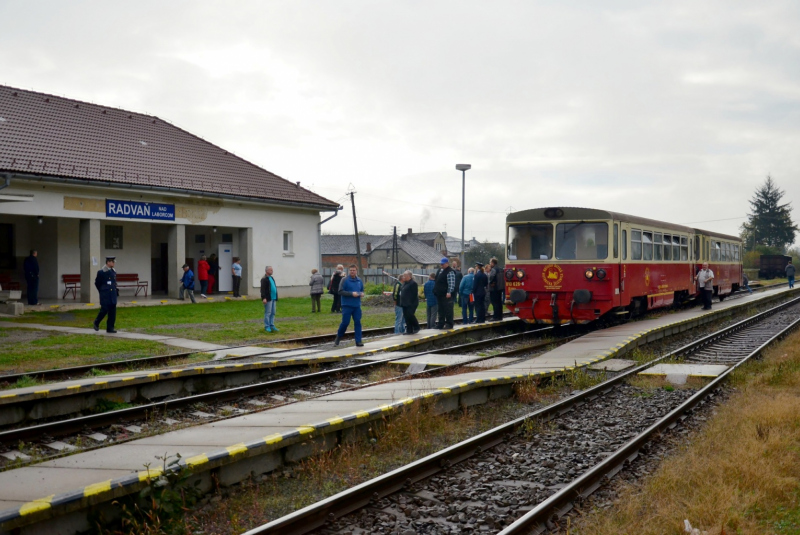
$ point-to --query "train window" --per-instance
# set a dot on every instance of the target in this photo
(736, 256)
(676, 247)
(636, 244)
(530, 242)
(696, 248)
(715, 251)
(706, 258)
(624, 244)
(647, 245)
(667, 247)
(684, 249)
(657, 248)
(582, 241)
(616, 240)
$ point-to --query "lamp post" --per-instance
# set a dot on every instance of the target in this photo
(463, 167)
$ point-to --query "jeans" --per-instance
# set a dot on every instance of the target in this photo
(791, 281)
(269, 314)
(467, 309)
(204, 287)
(190, 291)
(237, 281)
(706, 295)
(432, 311)
(347, 313)
(399, 320)
(497, 304)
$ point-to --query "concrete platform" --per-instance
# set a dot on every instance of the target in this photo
(261, 442)
(613, 365)
(690, 370)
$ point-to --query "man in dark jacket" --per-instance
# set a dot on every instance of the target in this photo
(106, 284)
(459, 278)
(445, 289)
(409, 300)
(479, 284)
(269, 297)
(497, 289)
(31, 267)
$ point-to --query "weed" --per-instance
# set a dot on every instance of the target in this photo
(106, 405)
(25, 381)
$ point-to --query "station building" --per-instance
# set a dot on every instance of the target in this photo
(81, 181)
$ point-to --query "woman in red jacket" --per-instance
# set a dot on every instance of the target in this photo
(202, 274)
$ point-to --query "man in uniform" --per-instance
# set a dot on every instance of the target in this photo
(705, 285)
(31, 267)
(106, 283)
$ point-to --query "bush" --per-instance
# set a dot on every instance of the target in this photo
(376, 289)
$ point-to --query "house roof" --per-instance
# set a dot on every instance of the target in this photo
(424, 235)
(47, 135)
(419, 251)
(344, 244)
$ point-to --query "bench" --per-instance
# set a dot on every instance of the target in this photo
(72, 283)
(131, 280)
(7, 283)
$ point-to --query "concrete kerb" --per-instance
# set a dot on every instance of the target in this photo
(56, 505)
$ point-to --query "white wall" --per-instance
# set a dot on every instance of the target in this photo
(292, 271)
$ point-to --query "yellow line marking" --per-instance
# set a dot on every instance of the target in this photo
(273, 439)
(361, 414)
(42, 392)
(97, 488)
(36, 505)
(236, 448)
(335, 421)
(305, 429)
(150, 474)
(197, 460)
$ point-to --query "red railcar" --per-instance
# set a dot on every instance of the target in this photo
(579, 264)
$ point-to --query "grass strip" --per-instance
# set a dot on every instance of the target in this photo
(739, 474)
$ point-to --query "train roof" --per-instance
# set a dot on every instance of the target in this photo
(572, 213)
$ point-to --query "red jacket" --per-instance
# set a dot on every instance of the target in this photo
(202, 270)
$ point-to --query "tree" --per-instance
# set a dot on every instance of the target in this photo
(769, 223)
(483, 252)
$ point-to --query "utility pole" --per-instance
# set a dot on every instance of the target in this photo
(355, 226)
(395, 254)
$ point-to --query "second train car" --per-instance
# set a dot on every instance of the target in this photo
(579, 264)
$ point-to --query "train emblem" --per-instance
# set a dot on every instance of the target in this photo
(552, 275)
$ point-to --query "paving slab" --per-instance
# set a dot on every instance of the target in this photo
(494, 362)
(692, 370)
(613, 365)
(193, 344)
(436, 359)
(130, 456)
(36, 482)
(209, 436)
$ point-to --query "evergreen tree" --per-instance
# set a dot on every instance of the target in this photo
(769, 223)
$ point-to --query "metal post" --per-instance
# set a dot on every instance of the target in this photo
(355, 226)
(463, 195)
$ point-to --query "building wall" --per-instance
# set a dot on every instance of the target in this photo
(332, 260)
(66, 205)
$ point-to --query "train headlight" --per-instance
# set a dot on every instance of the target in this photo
(520, 274)
(509, 274)
(589, 274)
(601, 274)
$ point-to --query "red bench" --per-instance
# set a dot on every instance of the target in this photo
(7, 283)
(72, 283)
(131, 280)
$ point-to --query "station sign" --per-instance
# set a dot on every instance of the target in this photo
(140, 210)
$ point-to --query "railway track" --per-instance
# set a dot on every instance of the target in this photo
(522, 476)
(114, 426)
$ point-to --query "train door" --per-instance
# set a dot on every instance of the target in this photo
(623, 301)
(615, 300)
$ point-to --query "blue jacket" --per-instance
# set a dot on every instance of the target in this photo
(346, 289)
(188, 280)
(430, 299)
(466, 284)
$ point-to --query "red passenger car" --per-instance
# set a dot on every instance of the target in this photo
(579, 264)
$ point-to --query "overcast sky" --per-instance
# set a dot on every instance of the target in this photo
(670, 110)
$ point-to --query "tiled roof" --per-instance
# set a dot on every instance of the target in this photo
(53, 136)
(424, 235)
(419, 251)
(344, 244)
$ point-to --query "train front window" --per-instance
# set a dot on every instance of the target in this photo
(582, 241)
(530, 242)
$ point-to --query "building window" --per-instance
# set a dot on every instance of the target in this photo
(438, 246)
(227, 238)
(199, 238)
(287, 241)
(113, 237)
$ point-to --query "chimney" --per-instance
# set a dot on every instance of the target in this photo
(369, 247)
(409, 232)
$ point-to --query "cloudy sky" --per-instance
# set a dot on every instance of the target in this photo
(675, 110)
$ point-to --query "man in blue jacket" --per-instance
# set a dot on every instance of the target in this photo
(352, 290)
(106, 284)
(430, 300)
(479, 284)
(187, 283)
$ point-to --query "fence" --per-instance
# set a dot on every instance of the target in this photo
(376, 276)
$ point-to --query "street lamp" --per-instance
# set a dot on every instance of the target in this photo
(463, 167)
